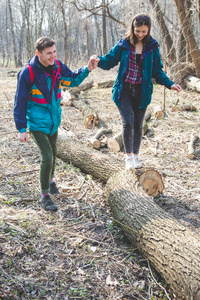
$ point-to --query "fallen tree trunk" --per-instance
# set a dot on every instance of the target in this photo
(193, 83)
(103, 166)
(172, 248)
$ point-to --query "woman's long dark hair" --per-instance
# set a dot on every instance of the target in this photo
(139, 20)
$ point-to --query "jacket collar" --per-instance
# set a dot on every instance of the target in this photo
(150, 46)
(40, 74)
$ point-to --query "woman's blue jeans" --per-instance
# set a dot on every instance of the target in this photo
(132, 118)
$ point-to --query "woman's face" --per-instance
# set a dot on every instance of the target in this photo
(141, 31)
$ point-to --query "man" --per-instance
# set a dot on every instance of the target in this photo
(37, 107)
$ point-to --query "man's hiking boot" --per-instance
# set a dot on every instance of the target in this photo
(53, 189)
(48, 204)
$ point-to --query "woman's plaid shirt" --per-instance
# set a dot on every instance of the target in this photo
(133, 73)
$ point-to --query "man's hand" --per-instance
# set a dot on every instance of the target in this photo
(93, 62)
(176, 87)
(22, 136)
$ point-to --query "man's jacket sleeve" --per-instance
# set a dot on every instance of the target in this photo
(111, 59)
(70, 79)
(21, 100)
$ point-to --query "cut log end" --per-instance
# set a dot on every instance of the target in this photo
(91, 121)
(151, 182)
(160, 114)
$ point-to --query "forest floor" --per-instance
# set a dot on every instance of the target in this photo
(79, 252)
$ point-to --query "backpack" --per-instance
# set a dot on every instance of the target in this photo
(31, 73)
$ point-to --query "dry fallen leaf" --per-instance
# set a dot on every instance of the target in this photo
(109, 281)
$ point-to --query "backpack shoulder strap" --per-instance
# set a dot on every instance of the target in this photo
(31, 73)
(59, 66)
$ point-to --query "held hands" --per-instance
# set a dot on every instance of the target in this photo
(176, 87)
(22, 136)
(93, 62)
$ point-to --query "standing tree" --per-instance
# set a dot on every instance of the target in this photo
(187, 29)
(12, 33)
(168, 41)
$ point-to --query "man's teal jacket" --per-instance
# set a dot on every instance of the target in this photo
(37, 103)
(152, 67)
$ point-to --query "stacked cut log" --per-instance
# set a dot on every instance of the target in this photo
(91, 118)
(99, 139)
(171, 248)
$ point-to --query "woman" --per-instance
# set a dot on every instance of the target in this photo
(140, 61)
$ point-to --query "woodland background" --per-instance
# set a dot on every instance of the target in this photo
(82, 28)
(80, 252)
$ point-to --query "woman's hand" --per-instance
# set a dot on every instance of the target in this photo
(176, 87)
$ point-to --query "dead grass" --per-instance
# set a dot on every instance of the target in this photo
(79, 252)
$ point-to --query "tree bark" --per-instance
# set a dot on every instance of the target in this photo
(172, 248)
(187, 29)
(170, 50)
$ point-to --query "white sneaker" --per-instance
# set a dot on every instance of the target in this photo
(129, 162)
(136, 162)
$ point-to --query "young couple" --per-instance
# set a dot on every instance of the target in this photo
(37, 100)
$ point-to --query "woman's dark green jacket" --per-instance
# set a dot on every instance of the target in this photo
(152, 68)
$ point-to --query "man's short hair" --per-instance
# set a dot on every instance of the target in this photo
(43, 43)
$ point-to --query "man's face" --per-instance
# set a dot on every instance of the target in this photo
(47, 56)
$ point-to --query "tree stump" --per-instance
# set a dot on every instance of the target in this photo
(172, 248)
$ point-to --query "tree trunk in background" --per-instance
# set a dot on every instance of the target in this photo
(98, 41)
(172, 248)
(28, 31)
(104, 37)
(181, 48)
(87, 32)
(169, 46)
(36, 19)
(21, 41)
(42, 7)
(187, 29)
(65, 30)
(13, 33)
